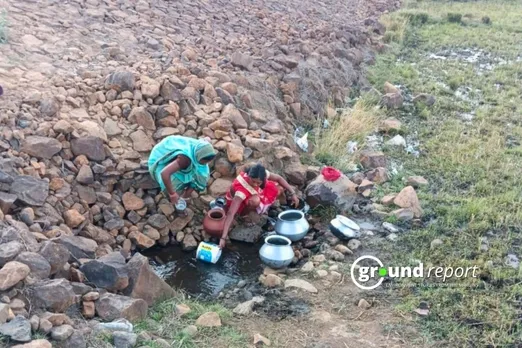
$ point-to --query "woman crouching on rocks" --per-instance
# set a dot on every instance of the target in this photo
(252, 193)
(180, 165)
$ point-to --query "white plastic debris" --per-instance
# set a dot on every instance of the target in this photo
(351, 146)
(303, 142)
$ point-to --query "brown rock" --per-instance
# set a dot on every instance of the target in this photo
(373, 159)
(150, 88)
(189, 243)
(416, 181)
(235, 153)
(12, 273)
(142, 117)
(210, 319)
(56, 184)
(55, 295)
(365, 185)
(73, 218)
(231, 113)
(111, 306)
(90, 146)
(141, 240)
(182, 309)
(271, 281)
(6, 201)
(144, 283)
(41, 147)
(392, 100)
(391, 126)
(35, 344)
(181, 222)
(132, 202)
(219, 187)
(295, 173)
(388, 199)
(45, 326)
(390, 88)
(242, 61)
(56, 254)
(141, 141)
(55, 319)
(39, 266)
(261, 341)
(378, 175)
(85, 175)
(407, 198)
(88, 310)
(222, 124)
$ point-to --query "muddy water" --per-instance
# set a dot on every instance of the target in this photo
(182, 270)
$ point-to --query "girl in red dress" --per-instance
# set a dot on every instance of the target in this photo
(252, 193)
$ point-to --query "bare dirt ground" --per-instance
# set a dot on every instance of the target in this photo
(336, 320)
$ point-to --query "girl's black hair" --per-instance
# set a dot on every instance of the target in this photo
(257, 172)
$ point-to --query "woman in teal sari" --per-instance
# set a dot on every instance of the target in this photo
(180, 165)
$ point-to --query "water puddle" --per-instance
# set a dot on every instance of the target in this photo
(481, 60)
(182, 270)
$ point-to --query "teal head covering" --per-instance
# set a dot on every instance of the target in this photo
(204, 150)
(195, 176)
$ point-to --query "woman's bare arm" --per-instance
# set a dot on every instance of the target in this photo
(281, 181)
(232, 211)
(173, 167)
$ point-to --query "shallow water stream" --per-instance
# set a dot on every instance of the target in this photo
(182, 270)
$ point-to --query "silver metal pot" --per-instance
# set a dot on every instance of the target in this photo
(292, 224)
(277, 252)
(344, 228)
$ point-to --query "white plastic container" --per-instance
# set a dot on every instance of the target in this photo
(208, 252)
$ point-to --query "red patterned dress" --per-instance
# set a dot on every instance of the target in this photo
(240, 188)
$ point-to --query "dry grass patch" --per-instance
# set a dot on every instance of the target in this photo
(353, 125)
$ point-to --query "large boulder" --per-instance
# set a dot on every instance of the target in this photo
(55, 295)
(246, 234)
(55, 254)
(144, 283)
(97, 234)
(108, 272)
(90, 146)
(39, 266)
(9, 251)
(111, 307)
(12, 273)
(30, 190)
(19, 232)
(18, 329)
(120, 81)
(341, 193)
(79, 247)
(408, 199)
(41, 147)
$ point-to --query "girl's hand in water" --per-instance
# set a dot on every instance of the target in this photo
(222, 243)
(295, 200)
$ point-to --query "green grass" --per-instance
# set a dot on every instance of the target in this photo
(162, 321)
(473, 168)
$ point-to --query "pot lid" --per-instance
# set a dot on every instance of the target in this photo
(347, 222)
